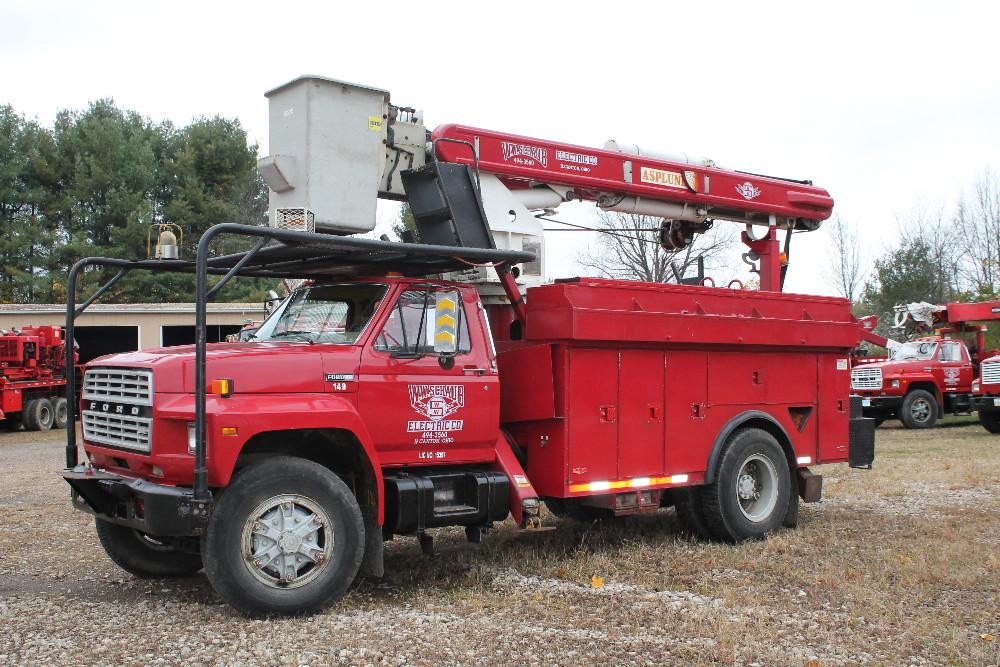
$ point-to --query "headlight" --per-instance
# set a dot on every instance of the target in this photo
(975, 385)
(895, 384)
(191, 438)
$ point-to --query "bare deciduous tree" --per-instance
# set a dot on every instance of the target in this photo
(628, 249)
(977, 234)
(846, 270)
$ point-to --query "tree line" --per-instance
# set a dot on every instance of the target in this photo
(93, 182)
(938, 256)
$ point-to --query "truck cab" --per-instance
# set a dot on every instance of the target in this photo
(922, 380)
(986, 394)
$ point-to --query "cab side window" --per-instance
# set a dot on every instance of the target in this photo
(950, 352)
(410, 327)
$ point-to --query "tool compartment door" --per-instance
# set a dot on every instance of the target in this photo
(593, 415)
(641, 407)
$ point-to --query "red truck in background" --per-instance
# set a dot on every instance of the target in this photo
(32, 382)
(931, 375)
(923, 379)
(986, 394)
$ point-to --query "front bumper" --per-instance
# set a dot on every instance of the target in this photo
(880, 406)
(154, 509)
(986, 403)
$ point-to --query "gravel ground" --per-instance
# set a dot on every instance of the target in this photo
(900, 565)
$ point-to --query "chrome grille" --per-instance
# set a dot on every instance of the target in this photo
(866, 378)
(122, 431)
(121, 385)
(990, 373)
(125, 399)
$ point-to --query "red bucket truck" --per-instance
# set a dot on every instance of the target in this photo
(406, 386)
(930, 375)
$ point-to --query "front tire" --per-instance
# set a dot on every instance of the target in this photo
(749, 497)
(145, 556)
(990, 421)
(919, 409)
(285, 538)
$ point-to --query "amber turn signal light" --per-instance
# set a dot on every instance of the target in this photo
(222, 387)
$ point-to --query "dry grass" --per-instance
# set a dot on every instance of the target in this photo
(899, 565)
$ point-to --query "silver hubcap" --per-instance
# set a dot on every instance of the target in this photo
(757, 488)
(287, 541)
(920, 410)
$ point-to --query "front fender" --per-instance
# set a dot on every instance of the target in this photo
(253, 414)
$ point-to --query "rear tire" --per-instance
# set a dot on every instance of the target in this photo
(27, 410)
(286, 538)
(990, 421)
(60, 412)
(145, 556)
(749, 497)
(687, 503)
(919, 409)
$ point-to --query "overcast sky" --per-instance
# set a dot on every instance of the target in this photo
(886, 105)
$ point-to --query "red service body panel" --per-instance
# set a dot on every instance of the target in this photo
(627, 385)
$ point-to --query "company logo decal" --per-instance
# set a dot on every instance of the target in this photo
(747, 190)
(951, 375)
(435, 402)
(670, 179)
(525, 155)
(577, 161)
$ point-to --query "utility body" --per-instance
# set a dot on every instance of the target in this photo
(32, 383)
(409, 386)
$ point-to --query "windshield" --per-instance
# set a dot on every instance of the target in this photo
(323, 314)
(914, 350)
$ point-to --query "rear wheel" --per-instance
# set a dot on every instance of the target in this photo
(990, 421)
(919, 409)
(38, 415)
(749, 497)
(285, 538)
(60, 413)
(687, 503)
(143, 555)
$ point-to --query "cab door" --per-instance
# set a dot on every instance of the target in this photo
(953, 370)
(423, 407)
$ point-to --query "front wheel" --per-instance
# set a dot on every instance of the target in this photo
(919, 409)
(750, 494)
(285, 538)
(990, 421)
(145, 556)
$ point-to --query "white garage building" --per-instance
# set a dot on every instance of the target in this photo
(108, 328)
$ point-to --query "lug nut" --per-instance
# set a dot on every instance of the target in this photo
(320, 557)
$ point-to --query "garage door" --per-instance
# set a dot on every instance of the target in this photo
(95, 342)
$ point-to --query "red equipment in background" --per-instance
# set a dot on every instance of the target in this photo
(930, 375)
(32, 382)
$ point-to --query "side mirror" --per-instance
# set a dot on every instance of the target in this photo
(447, 316)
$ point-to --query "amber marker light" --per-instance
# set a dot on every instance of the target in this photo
(223, 388)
